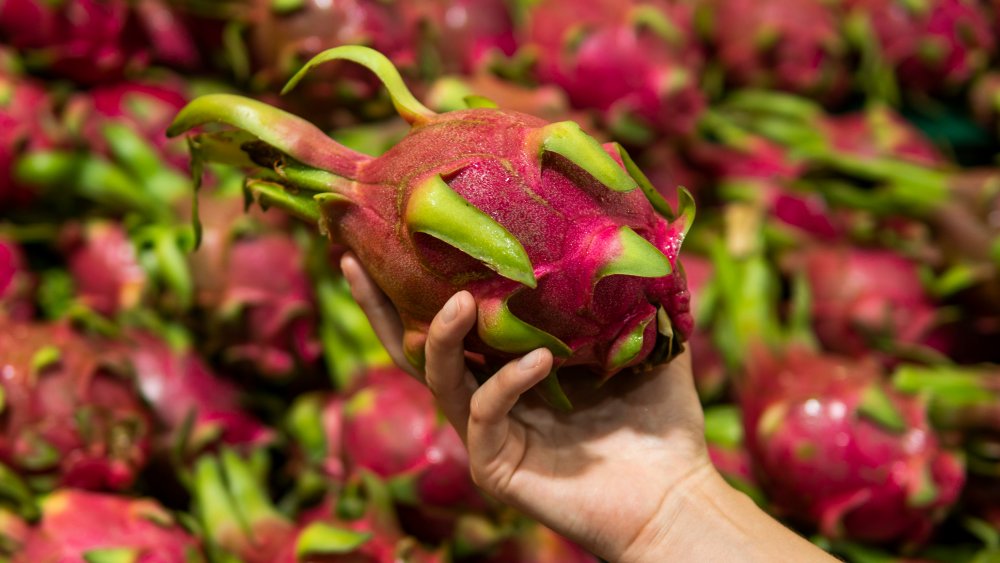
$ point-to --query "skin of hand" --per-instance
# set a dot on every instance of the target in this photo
(622, 474)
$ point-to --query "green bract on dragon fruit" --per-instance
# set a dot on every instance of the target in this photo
(563, 241)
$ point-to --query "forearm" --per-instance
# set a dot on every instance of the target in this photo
(708, 520)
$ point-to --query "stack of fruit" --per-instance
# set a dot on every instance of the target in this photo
(182, 379)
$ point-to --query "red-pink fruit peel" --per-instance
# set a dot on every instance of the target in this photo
(77, 523)
(635, 62)
(69, 416)
(597, 311)
(842, 451)
(188, 397)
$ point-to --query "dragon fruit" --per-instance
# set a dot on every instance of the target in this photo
(79, 525)
(373, 535)
(460, 36)
(16, 282)
(93, 41)
(144, 108)
(879, 132)
(104, 265)
(930, 45)
(196, 406)
(837, 448)
(541, 223)
(69, 419)
(794, 46)
(392, 428)
(26, 124)
(249, 276)
(633, 62)
(869, 298)
(752, 167)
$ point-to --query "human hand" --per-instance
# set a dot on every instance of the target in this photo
(605, 474)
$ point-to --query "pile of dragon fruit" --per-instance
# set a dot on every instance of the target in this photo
(185, 376)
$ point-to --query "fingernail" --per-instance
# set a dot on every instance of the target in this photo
(530, 361)
(450, 309)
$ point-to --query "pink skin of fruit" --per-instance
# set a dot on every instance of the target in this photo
(66, 415)
(94, 41)
(567, 259)
(793, 46)
(464, 34)
(941, 44)
(392, 428)
(105, 269)
(880, 132)
(606, 59)
(145, 107)
(25, 125)
(860, 295)
(15, 282)
(767, 166)
(835, 447)
(180, 386)
(377, 538)
(267, 285)
(77, 524)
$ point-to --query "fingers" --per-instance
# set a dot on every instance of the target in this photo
(445, 369)
(492, 402)
(380, 311)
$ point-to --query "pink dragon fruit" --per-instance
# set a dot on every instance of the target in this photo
(104, 266)
(392, 428)
(79, 525)
(765, 171)
(861, 298)
(16, 282)
(26, 124)
(794, 46)
(250, 276)
(634, 62)
(185, 395)
(93, 41)
(374, 536)
(69, 420)
(144, 108)
(837, 448)
(461, 36)
(541, 223)
(930, 45)
(879, 132)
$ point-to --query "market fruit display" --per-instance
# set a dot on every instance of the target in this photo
(185, 376)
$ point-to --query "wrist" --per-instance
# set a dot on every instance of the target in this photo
(674, 519)
(706, 519)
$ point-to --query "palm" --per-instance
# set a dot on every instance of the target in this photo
(637, 428)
